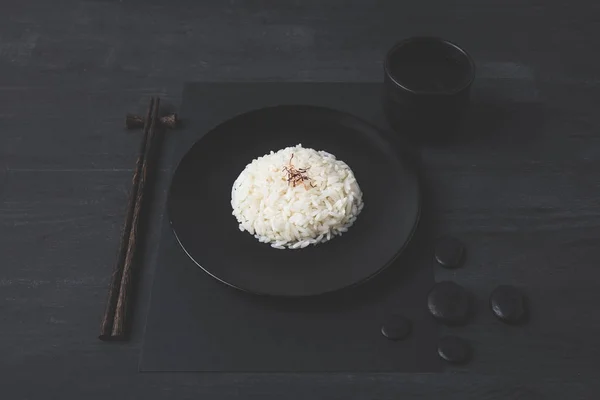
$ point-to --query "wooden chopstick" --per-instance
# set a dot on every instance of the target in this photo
(114, 321)
(125, 292)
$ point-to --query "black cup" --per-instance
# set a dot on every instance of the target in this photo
(427, 83)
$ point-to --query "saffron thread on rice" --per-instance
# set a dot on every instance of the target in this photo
(295, 176)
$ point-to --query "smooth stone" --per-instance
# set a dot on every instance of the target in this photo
(450, 303)
(453, 349)
(396, 328)
(508, 304)
(449, 252)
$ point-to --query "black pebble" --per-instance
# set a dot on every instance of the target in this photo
(454, 349)
(508, 304)
(396, 328)
(449, 252)
(450, 303)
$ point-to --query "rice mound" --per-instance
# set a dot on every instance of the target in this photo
(275, 211)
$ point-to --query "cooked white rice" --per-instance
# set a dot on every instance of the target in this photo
(267, 206)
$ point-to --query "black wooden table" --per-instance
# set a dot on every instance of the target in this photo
(70, 70)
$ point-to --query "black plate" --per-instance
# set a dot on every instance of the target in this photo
(201, 215)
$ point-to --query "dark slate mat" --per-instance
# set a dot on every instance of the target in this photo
(198, 324)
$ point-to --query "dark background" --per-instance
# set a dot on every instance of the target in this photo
(70, 70)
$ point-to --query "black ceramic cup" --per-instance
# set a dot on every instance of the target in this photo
(427, 82)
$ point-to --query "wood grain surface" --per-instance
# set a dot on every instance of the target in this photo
(70, 70)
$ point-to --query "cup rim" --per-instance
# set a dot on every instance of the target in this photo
(403, 42)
